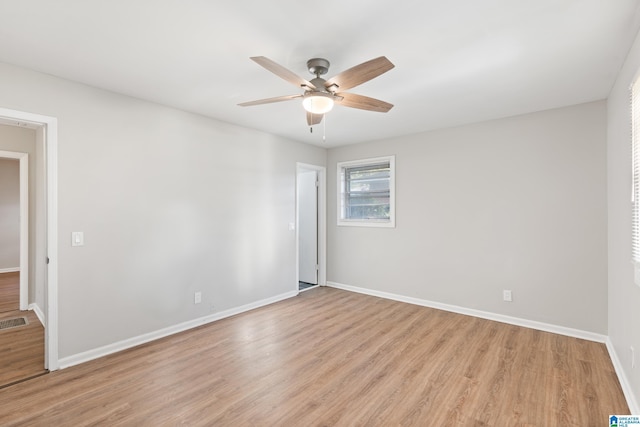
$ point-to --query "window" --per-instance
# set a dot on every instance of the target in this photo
(366, 192)
(635, 193)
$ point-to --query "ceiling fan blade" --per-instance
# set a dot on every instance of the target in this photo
(363, 102)
(282, 72)
(270, 100)
(360, 73)
(314, 119)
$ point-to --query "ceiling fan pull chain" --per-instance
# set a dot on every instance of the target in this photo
(324, 129)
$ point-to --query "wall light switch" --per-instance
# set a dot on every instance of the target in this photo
(77, 238)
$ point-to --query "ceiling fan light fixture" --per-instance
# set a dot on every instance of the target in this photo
(318, 103)
(319, 94)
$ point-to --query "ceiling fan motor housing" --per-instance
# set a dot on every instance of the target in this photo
(318, 66)
(318, 82)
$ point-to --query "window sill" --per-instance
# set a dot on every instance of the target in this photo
(365, 223)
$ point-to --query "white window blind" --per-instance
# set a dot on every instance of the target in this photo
(635, 156)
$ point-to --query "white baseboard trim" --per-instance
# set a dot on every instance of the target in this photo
(9, 270)
(86, 356)
(39, 313)
(634, 408)
(546, 327)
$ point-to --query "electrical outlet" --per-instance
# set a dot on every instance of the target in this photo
(633, 357)
(197, 297)
(506, 295)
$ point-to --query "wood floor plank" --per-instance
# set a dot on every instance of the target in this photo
(330, 357)
(9, 292)
(21, 349)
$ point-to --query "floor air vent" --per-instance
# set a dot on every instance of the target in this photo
(12, 323)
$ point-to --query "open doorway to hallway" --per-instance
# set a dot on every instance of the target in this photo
(22, 335)
(45, 265)
(307, 229)
(311, 226)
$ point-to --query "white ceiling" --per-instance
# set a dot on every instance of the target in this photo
(457, 61)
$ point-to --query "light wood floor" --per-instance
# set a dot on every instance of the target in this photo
(333, 358)
(9, 292)
(21, 349)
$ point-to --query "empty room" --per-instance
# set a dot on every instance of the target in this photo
(294, 213)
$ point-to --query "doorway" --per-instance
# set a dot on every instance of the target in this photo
(21, 331)
(14, 224)
(43, 297)
(311, 226)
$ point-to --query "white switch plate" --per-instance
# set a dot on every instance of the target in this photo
(77, 238)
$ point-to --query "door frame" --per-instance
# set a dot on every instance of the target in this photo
(322, 222)
(23, 159)
(49, 126)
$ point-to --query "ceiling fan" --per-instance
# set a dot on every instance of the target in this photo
(319, 94)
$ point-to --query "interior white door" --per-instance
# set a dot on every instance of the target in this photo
(308, 226)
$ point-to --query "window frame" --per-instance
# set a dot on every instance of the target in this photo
(366, 222)
(634, 101)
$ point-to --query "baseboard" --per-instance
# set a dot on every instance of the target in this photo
(86, 356)
(634, 408)
(39, 313)
(546, 327)
(9, 270)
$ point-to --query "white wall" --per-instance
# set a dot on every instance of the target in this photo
(170, 203)
(9, 214)
(624, 295)
(517, 203)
